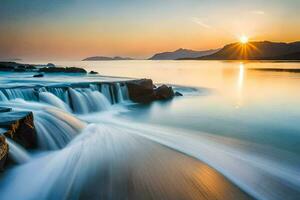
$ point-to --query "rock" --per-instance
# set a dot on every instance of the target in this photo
(141, 91)
(38, 75)
(93, 72)
(50, 65)
(3, 152)
(4, 109)
(19, 127)
(178, 94)
(163, 92)
(62, 69)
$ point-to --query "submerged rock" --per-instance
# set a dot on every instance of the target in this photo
(3, 152)
(4, 109)
(38, 75)
(93, 72)
(178, 94)
(19, 126)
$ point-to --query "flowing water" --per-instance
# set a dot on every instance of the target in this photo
(235, 133)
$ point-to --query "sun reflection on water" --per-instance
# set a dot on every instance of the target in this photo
(240, 84)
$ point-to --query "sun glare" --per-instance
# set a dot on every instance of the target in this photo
(244, 39)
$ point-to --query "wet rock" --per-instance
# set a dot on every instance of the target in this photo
(93, 72)
(163, 92)
(19, 127)
(178, 94)
(144, 91)
(38, 75)
(62, 69)
(3, 152)
(4, 109)
(141, 91)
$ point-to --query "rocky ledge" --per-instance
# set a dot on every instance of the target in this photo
(19, 127)
(3, 152)
(144, 91)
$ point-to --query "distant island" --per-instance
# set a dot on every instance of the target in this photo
(181, 54)
(99, 58)
(256, 51)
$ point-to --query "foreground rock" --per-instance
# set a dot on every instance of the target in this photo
(144, 91)
(3, 152)
(19, 127)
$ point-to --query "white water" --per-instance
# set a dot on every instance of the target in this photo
(17, 152)
(53, 100)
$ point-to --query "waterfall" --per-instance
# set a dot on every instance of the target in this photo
(122, 92)
(86, 101)
(56, 128)
(53, 100)
(17, 153)
(29, 94)
(3, 97)
(93, 97)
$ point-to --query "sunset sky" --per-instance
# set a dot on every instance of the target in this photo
(74, 29)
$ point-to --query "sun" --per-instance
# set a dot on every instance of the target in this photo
(244, 39)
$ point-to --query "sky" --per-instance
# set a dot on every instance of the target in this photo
(75, 29)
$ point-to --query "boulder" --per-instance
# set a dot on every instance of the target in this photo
(163, 92)
(3, 152)
(141, 91)
(19, 127)
(144, 91)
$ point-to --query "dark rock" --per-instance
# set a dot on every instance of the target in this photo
(62, 69)
(164, 92)
(50, 65)
(141, 90)
(3, 152)
(178, 94)
(19, 127)
(38, 75)
(144, 91)
(6, 68)
(93, 72)
(4, 109)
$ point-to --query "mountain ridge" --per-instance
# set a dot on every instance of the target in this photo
(181, 53)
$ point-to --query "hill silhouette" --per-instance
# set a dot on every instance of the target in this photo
(99, 58)
(257, 51)
(181, 53)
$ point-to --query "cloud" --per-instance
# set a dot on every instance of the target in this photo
(200, 22)
(258, 12)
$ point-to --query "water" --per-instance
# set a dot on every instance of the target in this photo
(243, 123)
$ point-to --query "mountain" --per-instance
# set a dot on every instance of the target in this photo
(97, 58)
(181, 53)
(257, 51)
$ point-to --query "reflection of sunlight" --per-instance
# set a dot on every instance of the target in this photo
(240, 83)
